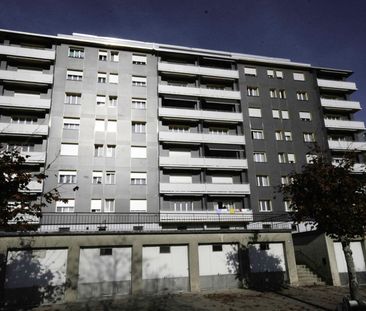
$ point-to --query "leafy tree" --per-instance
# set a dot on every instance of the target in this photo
(333, 199)
(20, 209)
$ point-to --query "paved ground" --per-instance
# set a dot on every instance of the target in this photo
(291, 299)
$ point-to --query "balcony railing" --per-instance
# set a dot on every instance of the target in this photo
(34, 157)
(24, 129)
(19, 51)
(347, 145)
(200, 114)
(191, 188)
(344, 125)
(196, 91)
(218, 163)
(30, 76)
(170, 136)
(337, 85)
(25, 102)
(197, 70)
(336, 104)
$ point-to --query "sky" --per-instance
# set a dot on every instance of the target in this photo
(326, 33)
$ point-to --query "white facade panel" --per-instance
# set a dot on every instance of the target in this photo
(270, 259)
(357, 255)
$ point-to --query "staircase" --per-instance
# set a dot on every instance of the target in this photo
(307, 277)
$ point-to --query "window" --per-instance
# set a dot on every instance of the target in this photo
(279, 135)
(113, 78)
(282, 94)
(305, 116)
(257, 134)
(282, 157)
(72, 98)
(270, 74)
(138, 59)
(114, 56)
(67, 177)
(288, 135)
(274, 73)
(287, 205)
(71, 124)
(62, 207)
(101, 99)
(216, 247)
(302, 96)
(97, 177)
(138, 152)
(273, 93)
(220, 179)
(138, 205)
(109, 205)
(250, 71)
(139, 81)
(285, 115)
(309, 137)
(277, 114)
(255, 112)
(138, 127)
(138, 103)
(69, 149)
(96, 205)
(102, 55)
(179, 128)
(310, 158)
(265, 205)
(262, 181)
(74, 75)
(252, 91)
(111, 126)
(138, 178)
(218, 130)
(76, 52)
(110, 151)
(113, 101)
(99, 125)
(182, 206)
(102, 77)
(23, 120)
(98, 151)
(299, 76)
(106, 252)
(110, 178)
(285, 180)
(226, 205)
(164, 249)
(259, 157)
(279, 74)
(291, 158)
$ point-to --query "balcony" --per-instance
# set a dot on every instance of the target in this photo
(346, 125)
(200, 114)
(23, 129)
(201, 138)
(30, 76)
(337, 85)
(18, 51)
(196, 70)
(34, 157)
(336, 104)
(224, 189)
(34, 186)
(196, 91)
(25, 102)
(210, 163)
(359, 168)
(207, 216)
(339, 145)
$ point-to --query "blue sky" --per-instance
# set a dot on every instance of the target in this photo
(328, 33)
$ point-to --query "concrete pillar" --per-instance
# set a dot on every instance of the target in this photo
(193, 263)
(336, 281)
(136, 268)
(3, 259)
(72, 273)
(291, 261)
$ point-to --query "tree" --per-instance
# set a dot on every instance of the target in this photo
(20, 209)
(333, 199)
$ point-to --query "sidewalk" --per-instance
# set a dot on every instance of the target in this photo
(293, 299)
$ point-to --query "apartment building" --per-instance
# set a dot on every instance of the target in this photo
(170, 139)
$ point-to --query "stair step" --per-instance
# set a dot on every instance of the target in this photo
(307, 277)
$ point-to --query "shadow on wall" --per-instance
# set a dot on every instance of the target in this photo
(256, 268)
(28, 282)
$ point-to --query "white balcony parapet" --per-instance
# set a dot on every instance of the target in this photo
(215, 163)
(244, 215)
(339, 85)
(201, 138)
(25, 102)
(31, 76)
(196, 91)
(34, 186)
(197, 70)
(225, 189)
(347, 145)
(23, 129)
(200, 114)
(344, 125)
(336, 104)
(34, 157)
(27, 52)
(359, 168)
